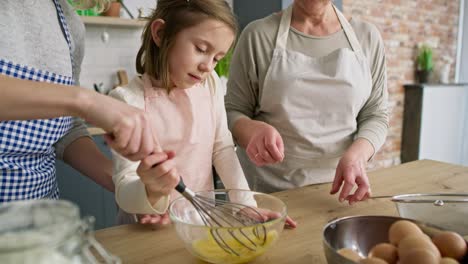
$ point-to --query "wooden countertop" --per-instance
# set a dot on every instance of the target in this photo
(311, 206)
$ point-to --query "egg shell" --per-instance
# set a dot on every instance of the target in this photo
(419, 256)
(372, 261)
(400, 229)
(448, 261)
(450, 244)
(385, 251)
(417, 241)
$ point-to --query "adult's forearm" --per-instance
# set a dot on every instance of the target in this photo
(84, 156)
(243, 129)
(361, 149)
(23, 99)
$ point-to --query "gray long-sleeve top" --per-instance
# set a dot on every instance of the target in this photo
(252, 58)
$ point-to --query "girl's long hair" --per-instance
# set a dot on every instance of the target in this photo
(177, 15)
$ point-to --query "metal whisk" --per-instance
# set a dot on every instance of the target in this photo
(225, 216)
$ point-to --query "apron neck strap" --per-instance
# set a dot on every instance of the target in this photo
(283, 30)
(65, 31)
(285, 24)
(348, 30)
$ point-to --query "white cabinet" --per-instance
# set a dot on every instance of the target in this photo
(435, 123)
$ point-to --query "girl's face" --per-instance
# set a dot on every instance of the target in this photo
(196, 51)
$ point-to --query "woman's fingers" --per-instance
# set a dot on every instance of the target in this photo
(337, 181)
(271, 147)
(363, 189)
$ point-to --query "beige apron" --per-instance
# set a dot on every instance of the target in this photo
(313, 103)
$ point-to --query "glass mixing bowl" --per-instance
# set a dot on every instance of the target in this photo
(228, 245)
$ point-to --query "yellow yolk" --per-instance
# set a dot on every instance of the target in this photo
(207, 249)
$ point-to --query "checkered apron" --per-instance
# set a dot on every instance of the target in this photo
(27, 155)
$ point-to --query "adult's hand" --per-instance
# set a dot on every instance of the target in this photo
(265, 145)
(351, 172)
(129, 129)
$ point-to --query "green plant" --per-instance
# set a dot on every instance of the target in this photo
(222, 68)
(424, 59)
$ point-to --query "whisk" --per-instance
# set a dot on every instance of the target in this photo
(221, 215)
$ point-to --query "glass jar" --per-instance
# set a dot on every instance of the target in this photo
(48, 231)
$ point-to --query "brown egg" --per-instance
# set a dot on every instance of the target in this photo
(450, 244)
(349, 254)
(419, 256)
(448, 261)
(401, 229)
(372, 261)
(417, 241)
(385, 251)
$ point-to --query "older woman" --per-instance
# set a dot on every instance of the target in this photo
(307, 99)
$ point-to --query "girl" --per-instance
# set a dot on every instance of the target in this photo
(182, 43)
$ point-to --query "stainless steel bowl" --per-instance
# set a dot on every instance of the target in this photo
(449, 211)
(361, 233)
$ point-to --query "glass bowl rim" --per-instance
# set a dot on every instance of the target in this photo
(176, 219)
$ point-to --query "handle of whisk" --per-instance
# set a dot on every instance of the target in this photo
(182, 189)
(181, 186)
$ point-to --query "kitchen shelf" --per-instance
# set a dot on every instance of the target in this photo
(113, 21)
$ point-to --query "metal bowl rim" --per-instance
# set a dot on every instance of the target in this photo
(372, 216)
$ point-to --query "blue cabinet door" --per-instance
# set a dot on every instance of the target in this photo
(91, 198)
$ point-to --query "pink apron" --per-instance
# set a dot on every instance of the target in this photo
(184, 122)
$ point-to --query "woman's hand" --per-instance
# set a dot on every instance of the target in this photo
(265, 145)
(129, 129)
(159, 175)
(351, 171)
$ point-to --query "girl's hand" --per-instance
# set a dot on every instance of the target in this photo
(265, 145)
(154, 220)
(159, 175)
(265, 215)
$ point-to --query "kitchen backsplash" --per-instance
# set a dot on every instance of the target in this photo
(103, 59)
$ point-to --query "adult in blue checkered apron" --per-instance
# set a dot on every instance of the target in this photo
(27, 155)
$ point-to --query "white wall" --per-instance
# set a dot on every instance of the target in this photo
(102, 60)
(443, 131)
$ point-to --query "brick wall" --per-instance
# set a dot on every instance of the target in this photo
(404, 24)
